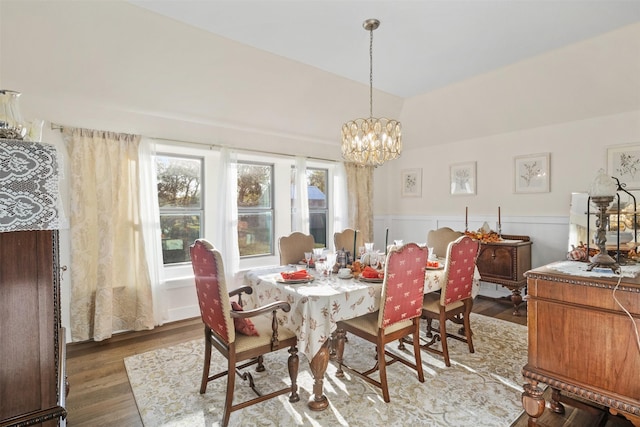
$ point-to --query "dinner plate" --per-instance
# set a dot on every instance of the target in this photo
(435, 268)
(294, 281)
(371, 280)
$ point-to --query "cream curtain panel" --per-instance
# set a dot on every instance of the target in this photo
(110, 284)
(360, 189)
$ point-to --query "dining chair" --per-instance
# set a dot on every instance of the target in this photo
(455, 301)
(293, 247)
(398, 316)
(440, 238)
(345, 240)
(226, 329)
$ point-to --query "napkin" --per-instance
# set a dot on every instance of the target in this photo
(371, 273)
(292, 275)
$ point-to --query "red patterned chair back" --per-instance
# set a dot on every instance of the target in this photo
(403, 286)
(211, 287)
(459, 269)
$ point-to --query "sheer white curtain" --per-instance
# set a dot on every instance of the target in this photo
(300, 220)
(150, 219)
(225, 236)
(110, 284)
(340, 200)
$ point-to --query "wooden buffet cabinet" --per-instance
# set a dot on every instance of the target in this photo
(32, 342)
(505, 262)
(582, 343)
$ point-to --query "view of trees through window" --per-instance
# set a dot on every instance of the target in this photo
(255, 209)
(180, 201)
(317, 193)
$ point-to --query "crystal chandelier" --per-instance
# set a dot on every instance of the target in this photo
(372, 141)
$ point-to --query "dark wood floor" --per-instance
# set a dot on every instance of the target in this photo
(100, 394)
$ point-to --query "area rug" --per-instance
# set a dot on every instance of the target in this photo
(480, 389)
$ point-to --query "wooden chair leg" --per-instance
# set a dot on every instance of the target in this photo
(207, 361)
(416, 350)
(293, 365)
(382, 367)
(467, 328)
(443, 337)
(231, 382)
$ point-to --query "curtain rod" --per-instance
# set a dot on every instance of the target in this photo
(56, 126)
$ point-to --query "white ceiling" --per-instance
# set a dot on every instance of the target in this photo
(420, 45)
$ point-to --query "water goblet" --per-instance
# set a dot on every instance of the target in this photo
(307, 257)
(368, 247)
(398, 243)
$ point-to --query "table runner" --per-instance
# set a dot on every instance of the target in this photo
(29, 196)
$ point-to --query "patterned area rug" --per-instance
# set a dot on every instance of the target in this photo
(480, 389)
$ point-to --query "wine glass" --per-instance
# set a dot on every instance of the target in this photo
(307, 257)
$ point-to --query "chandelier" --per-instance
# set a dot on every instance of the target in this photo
(372, 141)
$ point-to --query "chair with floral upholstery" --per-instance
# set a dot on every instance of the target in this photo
(454, 302)
(399, 316)
(293, 247)
(228, 328)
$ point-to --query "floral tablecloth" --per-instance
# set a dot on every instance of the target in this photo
(318, 305)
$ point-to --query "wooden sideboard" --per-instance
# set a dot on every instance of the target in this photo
(505, 263)
(32, 342)
(582, 343)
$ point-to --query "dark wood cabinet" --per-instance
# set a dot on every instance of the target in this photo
(582, 343)
(32, 380)
(505, 263)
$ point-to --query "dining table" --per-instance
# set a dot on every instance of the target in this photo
(318, 304)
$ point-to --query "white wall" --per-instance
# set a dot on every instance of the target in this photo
(113, 66)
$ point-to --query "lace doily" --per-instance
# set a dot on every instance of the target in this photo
(29, 196)
(577, 268)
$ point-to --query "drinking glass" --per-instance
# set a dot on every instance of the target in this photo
(398, 242)
(318, 254)
(368, 247)
(331, 261)
(321, 268)
(307, 257)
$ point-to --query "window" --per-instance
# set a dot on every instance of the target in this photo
(181, 209)
(255, 209)
(318, 196)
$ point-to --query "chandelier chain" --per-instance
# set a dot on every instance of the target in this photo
(371, 72)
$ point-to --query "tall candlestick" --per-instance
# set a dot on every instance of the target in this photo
(466, 218)
(355, 233)
(499, 222)
(386, 241)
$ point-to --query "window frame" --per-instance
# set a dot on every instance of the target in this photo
(258, 210)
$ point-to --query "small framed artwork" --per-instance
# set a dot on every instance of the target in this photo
(412, 182)
(531, 173)
(623, 162)
(462, 178)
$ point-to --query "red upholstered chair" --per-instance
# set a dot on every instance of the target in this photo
(399, 315)
(219, 330)
(454, 301)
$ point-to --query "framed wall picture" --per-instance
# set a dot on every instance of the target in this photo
(532, 174)
(412, 182)
(623, 162)
(462, 177)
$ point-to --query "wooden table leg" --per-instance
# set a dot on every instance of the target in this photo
(318, 364)
(533, 402)
(516, 299)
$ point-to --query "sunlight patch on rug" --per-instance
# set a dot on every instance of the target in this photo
(480, 389)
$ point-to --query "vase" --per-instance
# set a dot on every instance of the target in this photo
(11, 123)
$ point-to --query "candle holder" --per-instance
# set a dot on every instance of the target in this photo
(603, 259)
